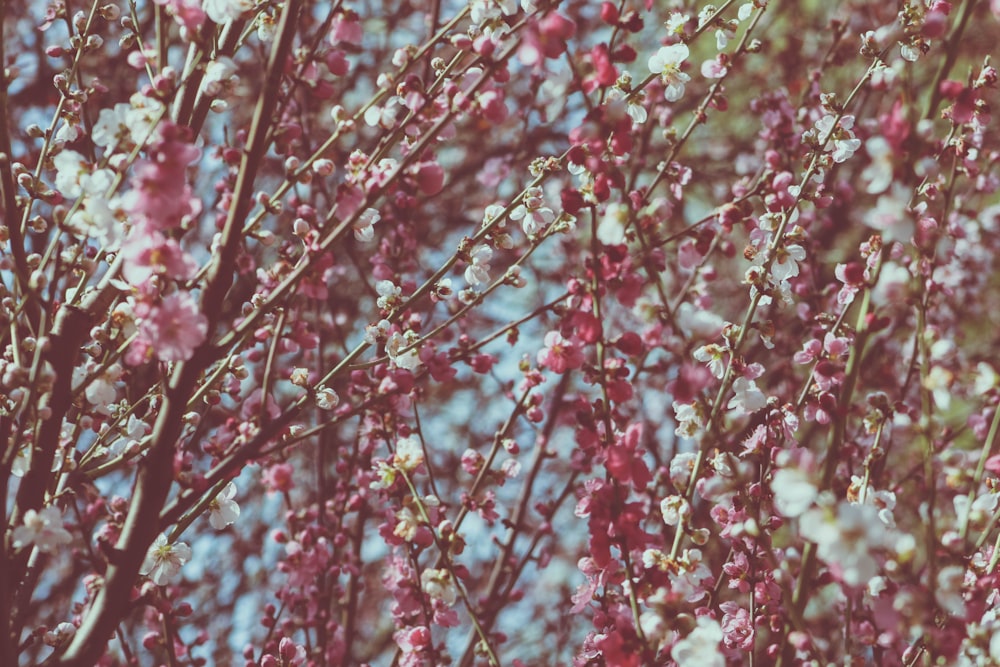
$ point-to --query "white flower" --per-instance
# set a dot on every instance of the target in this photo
(388, 294)
(715, 356)
(785, 263)
(326, 398)
(220, 76)
(794, 492)
(385, 476)
(667, 64)
(491, 213)
(223, 11)
(43, 529)
(675, 23)
(385, 116)
(689, 420)
(478, 272)
(409, 360)
(164, 560)
(674, 509)
(442, 289)
(680, 469)
(143, 114)
(909, 52)
(978, 512)
(878, 174)
(748, 397)
(533, 213)
(837, 137)
(890, 215)
(698, 322)
(136, 428)
(111, 127)
(407, 525)
(224, 509)
(486, 10)
(701, 647)
(949, 593)
(376, 332)
(848, 540)
(633, 103)
(611, 228)
(986, 378)
(299, 376)
(70, 168)
(409, 454)
(98, 218)
(364, 228)
(60, 635)
(939, 381)
(101, 392)
(438, 584)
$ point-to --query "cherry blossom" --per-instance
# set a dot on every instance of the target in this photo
(478, 271)
(533, 213)
(835, 133)
(164, 560)
(849, 540)
(224, 510)
(473, 307)
(700, 646)
(794, 491)
(559, 355)
(43, 529)
(666, 63)
(223, 11)
(175, 327)
(364, 228)
(747, 397)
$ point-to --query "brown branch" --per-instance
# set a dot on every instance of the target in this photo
(154, 477)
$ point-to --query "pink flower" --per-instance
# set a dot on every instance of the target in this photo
(279, 477)
(737, 628)
(160, 194)
(624, 460)
(546, 39)
(413, 640)
(559, 354)
(148, 252)
(605, 73)
(346, 29)
(714, 69)
(187, 13)
(175, 328)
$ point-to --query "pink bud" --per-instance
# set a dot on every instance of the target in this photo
(287, 648)
(484, 46)
(609, 13)
(604, 71)
(429, 177)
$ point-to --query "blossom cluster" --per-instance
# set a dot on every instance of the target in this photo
(358, 333)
